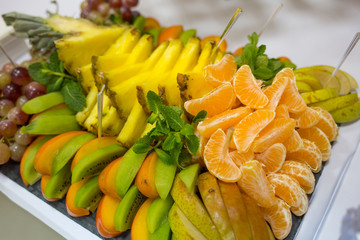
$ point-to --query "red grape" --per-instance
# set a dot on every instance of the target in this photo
(135, 13)
(115, 3)
(7, 128)
(4, 79)
(22, 138)
(17, 151)
(21, 101)
(34, 89)
(85, 13)
(92, 4)
(5, 153)
(20, 76)
(12, 91)
(126, 14)
(5, 106)
(103, 9)
(8, 67)
(131, 3)
(18, 116)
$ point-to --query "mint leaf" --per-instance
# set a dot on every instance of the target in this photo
(184, 157)
(253, 38)
(177, 109)
(261, 61)
(54, 63)
(36, 72)
(55, 86)
(192, 143)
(175, 153)
(154, 101)
(141, 148)
(172, 117)
(169, 142)
(261, 50)
(187, 130)
(199, 117)
(263, 73)
(73, 96)
(164, 156)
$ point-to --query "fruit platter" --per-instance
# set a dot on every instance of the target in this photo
(122, 119)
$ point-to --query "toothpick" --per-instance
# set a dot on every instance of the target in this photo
(229, 26)
(5, 53)
(100, 112)
(347, 52)
(270, 19)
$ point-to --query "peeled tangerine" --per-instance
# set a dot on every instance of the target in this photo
(289, 190)
(255, 184)
(279, 218)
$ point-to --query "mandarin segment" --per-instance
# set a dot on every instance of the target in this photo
(294, 142)
(317, 136)
(239, 158)
(254, 183)
(217, 101)
(309, 154)
(279, 218)
(275, 91)
(273, 157)
(249, 127)
(282, 111)
(307, 118)
(223, 120)
(291, 96)
(303, 207)
(220, 72)
(327, 124)
(301, 172)
(286, 188)
(276, 131)
(247, 89)
(217, 159)
(326, 154)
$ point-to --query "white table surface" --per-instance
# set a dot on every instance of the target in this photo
(309, 32)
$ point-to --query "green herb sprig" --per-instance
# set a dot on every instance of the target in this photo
(56, 78)
(173, 140)
(262, 67)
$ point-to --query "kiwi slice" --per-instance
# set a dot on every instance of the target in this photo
(157, 212)
(96, 161)
(89, 195)
(67, 152)
(59, 184)
(127, 209)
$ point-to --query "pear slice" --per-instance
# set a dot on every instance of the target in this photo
(257, 221)
(211, 196)
(319, 95)
(343, 78)
(333, 104)
(353, 83)
(303, 87)
(324, 76)
(312, 81)
(191, 205)
(181, 226)
(347, 114)
(236, 209)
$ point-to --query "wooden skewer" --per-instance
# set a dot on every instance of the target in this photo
(229, 26)
(270, 19)
(99, 98)
(347, 52)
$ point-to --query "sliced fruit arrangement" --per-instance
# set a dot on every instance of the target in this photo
(336, 95)
(200, 145)
(270, 143)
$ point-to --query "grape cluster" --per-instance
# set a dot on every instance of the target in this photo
(16, 88)
(99, 11)
(350, 227)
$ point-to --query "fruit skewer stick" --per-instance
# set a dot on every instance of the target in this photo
(347, 52)
(270, 19)
(228, 27)
(99, 99)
